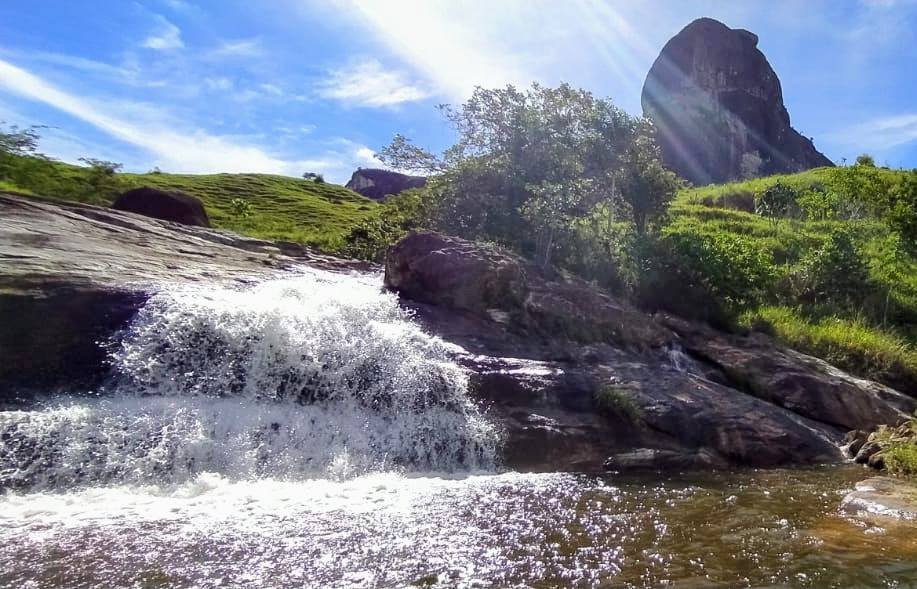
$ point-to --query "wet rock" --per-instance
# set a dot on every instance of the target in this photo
(377, 184)
(853, 441)
(718, 108)
(881, 500)
(866, 452)
(72, 275)
(174, 206)
(803, 384)
(655, 459)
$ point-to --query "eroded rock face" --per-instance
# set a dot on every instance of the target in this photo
(718, 107)
(169, 206)
(458, 274)
(377, 184)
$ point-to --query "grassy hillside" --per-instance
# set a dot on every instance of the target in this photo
(833, 274)
(259, 205)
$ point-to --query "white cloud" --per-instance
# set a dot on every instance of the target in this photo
(367, 83)
(192, 151)
(271, 89)
(166, 36)
(881, 133)
(239, 48)
(219, 83)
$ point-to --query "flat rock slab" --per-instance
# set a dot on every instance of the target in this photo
(881, 499)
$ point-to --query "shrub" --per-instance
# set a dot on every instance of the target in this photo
(901, 459)
(617, 402)
(776, 201)
(240, 208)
(836, 274)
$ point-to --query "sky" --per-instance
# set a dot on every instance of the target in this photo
(289, 86)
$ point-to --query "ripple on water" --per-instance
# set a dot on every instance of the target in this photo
(740, 529)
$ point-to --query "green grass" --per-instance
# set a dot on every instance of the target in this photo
(901, 459)
(848, 343)
(282, 207)
(612, 400)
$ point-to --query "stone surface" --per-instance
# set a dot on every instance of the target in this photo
(166, 205)
(73, 274)
(882, 499)
(480, 279)
(377, 184)
(718, 107)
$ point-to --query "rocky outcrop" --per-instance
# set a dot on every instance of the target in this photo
(483, 280)
(377, 184)
(718, 108)
(545, 348)
(174, 206)
(73, 274)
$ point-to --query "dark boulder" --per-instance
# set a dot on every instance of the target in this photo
(718, 107)
(160, 204)
(377, 184)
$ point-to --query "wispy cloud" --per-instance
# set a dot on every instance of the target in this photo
(368, 83)
(165, 36)
(191, 151)
(238, 48)
(881, 133)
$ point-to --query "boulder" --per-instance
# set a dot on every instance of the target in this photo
(718, 107)
(377, 184)
(882, 500)
(174, 206)
(484, 280)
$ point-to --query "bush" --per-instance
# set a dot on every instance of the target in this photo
(710, 276)
(776, 201)
(836, 275)
(901, 459)
(617, 402)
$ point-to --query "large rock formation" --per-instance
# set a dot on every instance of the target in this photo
(718, 108)
(577, 379)
(160, 204)
(377, 184)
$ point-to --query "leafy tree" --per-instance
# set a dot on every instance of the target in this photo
(775, 201)
(646, 187)
(314, 177)
(530, 164)
(865, 159)
(836, 274)
(103, 184)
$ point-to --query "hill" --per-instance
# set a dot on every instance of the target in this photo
(832, 273)
(259, 205)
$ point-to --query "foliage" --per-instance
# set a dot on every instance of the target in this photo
(529, 165)
(314, 177)
(901, 459)
(400, 213)
(775, 201)
(616, 401)
(240, 207)
(865, 159)
(836, 274)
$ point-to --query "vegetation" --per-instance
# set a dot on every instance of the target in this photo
(308, 211)
(616, 401)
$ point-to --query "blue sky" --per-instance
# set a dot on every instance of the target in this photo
(287, 86)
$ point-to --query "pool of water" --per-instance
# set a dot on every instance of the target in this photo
(741, 529)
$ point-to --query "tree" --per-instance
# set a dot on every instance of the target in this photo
(646, 187)
(865, 159)
(314, 177)
(20, 142)
(750, 165)
(529, 163)
(775, 201)
(103, 184)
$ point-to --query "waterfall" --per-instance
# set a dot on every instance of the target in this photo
(315, 375)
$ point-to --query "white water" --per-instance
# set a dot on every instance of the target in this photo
(317, 375)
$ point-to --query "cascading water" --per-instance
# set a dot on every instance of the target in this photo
(317, 375)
